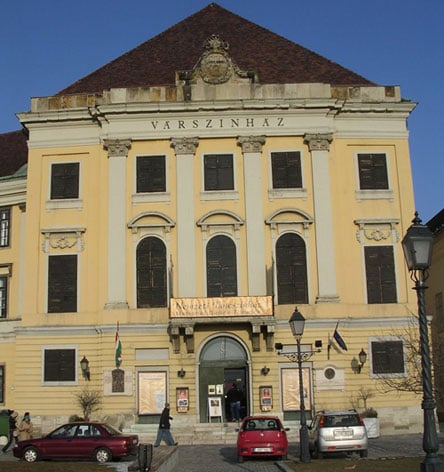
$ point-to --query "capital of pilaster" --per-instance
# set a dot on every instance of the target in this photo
(184, 145)
(318, 141)
(251, 143)
(117, 147)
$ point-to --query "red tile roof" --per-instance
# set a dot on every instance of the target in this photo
(252, 47)
(155, 62)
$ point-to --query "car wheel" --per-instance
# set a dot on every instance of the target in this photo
(103, 455)
(240, 458)
(284, 457)
(31, 454)
(363, 453)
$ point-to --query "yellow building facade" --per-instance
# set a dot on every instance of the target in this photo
(192, 218)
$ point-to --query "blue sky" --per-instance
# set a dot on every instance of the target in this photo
(46, 45)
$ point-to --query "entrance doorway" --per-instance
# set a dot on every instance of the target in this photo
(223, 361)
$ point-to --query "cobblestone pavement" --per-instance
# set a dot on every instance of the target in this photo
(222, 458)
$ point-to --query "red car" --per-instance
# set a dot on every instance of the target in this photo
(84, 440)
(261, 436)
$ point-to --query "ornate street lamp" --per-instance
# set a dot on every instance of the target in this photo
(84, 366)
(417, 245)
(297, 325)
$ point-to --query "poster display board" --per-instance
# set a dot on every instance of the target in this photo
(182, 402)
(215, 408)
(151, 392)
(290, 389)
(266, 397)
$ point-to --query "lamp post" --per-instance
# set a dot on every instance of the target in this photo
(417, 245)
(297, 325)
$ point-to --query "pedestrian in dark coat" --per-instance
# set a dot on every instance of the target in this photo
(13, 431)
(164, 433)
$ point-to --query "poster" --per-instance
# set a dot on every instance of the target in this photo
(290, 389)
(215, 407)
(152, 392)
(266, 397)
(182, 403)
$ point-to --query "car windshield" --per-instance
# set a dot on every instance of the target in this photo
(341, 420)
(263, 424)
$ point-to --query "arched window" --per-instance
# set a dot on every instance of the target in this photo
(221, 267)
(291, 267)
(151, 273)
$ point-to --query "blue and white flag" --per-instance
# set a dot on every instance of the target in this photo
(338, 338)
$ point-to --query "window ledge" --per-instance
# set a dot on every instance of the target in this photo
(374, 195)
(219, 195)
(150, 197)
(274, 194)
(62, 204)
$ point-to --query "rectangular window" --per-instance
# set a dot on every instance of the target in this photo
(380, 274)
(59, 365)
(150, 174)
(218, 172)
(2, 384)
(3, 296)
(388, 357)
(65, 181)
(286, 169)
(5, 223)
(373, 172)
(62, 284)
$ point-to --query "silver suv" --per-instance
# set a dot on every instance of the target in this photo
(337, 431)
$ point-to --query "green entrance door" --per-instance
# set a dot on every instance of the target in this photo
(223, 361)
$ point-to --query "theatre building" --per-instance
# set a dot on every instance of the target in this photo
(186, 198)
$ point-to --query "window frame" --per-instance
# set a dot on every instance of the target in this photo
(73, 367)
(366, 249)
(5, 226)
(373, 193)
(52, 292)
(236, 265)
(150, 195)
(224, 194)
(387, 339)
(68, 202)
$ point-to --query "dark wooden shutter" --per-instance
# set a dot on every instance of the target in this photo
(221, 267)
(373, 171)
(291, 266)
(62, 284)
(286, 169)
(65, 180)
(60, 365)
(151, 273)
(151, 174)
(380, 274)
(388, 357)
(218, 170)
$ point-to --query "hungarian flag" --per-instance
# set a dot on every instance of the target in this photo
(118, 348)
(338, 338)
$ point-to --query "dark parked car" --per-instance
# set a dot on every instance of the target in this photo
(84, 440)
(261, 436)
(337, 431)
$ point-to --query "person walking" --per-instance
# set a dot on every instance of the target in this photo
(13, 431)
(164, 433)
(234, 397)
(25, 428)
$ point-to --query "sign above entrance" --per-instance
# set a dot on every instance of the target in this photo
(220, 307)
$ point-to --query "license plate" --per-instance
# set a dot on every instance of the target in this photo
(262, 449)
(343, 434)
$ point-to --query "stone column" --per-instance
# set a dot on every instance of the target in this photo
(254, 212)
(117, 269)
(318, 145)
(185, 149)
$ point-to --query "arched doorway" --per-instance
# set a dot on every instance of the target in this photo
(223, 361)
